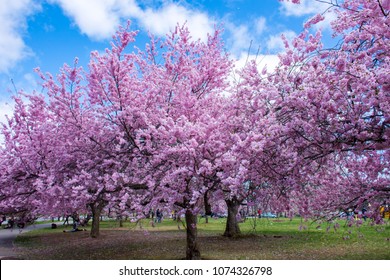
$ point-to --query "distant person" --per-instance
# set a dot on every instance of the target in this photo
(66, 220)
(151, 213)
(75, 227)
(364, 210)
(159, 215)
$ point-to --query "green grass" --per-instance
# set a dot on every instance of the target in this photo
(260, 239)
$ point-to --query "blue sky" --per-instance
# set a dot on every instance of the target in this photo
(49, 33)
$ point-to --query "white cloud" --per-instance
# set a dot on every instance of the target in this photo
(275, 43)
(99, 19)
(248, 37)
(29, 83)
(260, 25)
(128, 8)
(244, 36)
(270, 61)
(161, 21)
(262, 60)
(239, 38)
(308, 8)
(13, 16)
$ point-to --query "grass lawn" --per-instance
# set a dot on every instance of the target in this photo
(260, 239)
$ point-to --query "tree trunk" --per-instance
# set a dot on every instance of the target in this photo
(96, 209)
(232, 228)
(192, 252)
(207, 206)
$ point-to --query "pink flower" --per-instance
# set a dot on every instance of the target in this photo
(314, 20)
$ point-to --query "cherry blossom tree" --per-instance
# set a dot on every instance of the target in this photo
(330, 106)
(18, 193)
(77, 146)
(185, 140)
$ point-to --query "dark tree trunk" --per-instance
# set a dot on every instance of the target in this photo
(207, 206)
(120, 221)
(192, 252)
(96, 209)
(232, 228)
(95, 229)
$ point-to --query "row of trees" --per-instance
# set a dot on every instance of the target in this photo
(167, 128)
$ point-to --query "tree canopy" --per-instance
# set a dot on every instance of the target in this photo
(165, 127)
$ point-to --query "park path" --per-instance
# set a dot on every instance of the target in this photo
(7, 237)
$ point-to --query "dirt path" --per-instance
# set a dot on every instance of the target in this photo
(7, 237)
